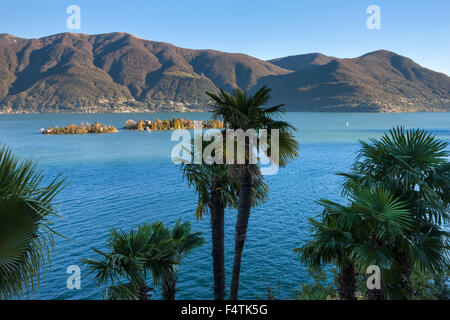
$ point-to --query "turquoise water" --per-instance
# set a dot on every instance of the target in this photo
(124, 179)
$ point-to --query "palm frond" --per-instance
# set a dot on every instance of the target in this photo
(26, 210)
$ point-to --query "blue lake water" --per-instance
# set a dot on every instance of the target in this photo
(124, 179)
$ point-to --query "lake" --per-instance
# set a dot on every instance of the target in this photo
(127, 178)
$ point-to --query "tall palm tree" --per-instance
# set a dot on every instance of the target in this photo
(26, 210)
(132, 257)
(413, 165)
(216, 190)
(185, 242)
(241, 111)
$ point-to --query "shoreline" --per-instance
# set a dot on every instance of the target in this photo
(184, 112)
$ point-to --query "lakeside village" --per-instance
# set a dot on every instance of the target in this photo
(141, 125)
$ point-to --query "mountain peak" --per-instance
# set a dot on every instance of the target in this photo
(381, 53)
(6, 38)
(297, 62)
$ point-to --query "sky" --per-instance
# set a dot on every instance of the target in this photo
(265, 29)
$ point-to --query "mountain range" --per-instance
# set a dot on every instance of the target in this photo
(118, 72)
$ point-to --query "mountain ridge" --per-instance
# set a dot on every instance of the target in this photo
(119, 72)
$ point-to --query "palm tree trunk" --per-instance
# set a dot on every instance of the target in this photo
(376, 294)
(144, 290)
(169, 287)
(217, 211)
(405, 276)
(244, 207)
(347, 282)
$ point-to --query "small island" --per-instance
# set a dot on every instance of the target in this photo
(174, 124)
(81, 129)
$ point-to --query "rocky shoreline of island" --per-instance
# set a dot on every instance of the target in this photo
(80, 129)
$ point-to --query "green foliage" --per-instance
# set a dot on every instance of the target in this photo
(185, 240)
(425, 286)
(26, 210)
(241, 111)
(398, 198)
(362, 233)
(150, 249)
(428, 286)
(413, 165)
(320, 289)
(203, 178)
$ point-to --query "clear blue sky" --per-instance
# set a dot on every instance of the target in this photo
(262, 28)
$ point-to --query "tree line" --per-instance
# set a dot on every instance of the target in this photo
(173, 124)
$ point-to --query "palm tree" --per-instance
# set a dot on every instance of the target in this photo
(241, 111)
(185, 242)
(132, 256)
(358, 235)
(331, 244)
(216, 190)
(378, 222)
(413, 166)
(26, 209)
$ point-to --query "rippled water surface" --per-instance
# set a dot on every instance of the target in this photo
(124, 179)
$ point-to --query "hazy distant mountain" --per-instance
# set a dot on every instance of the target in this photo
(119, 72)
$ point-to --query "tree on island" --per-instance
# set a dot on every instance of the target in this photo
(81, 129)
